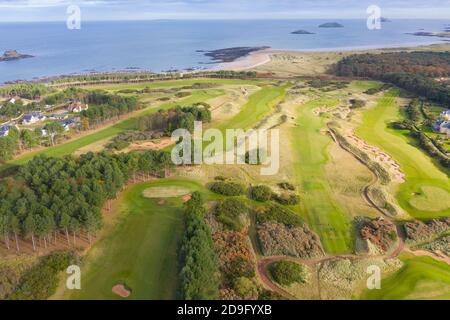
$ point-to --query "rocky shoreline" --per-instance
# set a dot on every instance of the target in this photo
(230, 54)
(11, 55)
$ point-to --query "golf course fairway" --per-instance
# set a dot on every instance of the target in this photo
(426, 192)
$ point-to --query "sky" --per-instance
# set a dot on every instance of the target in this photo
(56, 10)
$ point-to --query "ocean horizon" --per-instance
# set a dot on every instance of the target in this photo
(162, 45)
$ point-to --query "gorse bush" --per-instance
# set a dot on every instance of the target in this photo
(261, 193)
(41, 281)
(287, 199)
(227, 188)
(231, 213)
(276, 213)
(287, 273)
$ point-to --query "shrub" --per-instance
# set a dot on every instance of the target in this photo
(230, 212)
(287, 199)
(241, 267)
(276, 213)
(227, 188)
(277, 239)
(287, 273)
(246, 288)
(261, 193)
(41, 280)
(286, 186)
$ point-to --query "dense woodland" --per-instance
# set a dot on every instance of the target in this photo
(179, 117)
(199, 266)
(413, 71)
(52, 195)
(25, 90)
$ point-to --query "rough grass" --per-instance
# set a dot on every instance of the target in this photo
(419, 278)
(422, 173)
(318, 205)
(139, 247)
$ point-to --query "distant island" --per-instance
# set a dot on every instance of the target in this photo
(445, 34)
(231, 54)
(383, 19)
(331, 25)
(302, 32)
(10, 55)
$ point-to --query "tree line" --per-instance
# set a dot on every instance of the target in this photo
(412, 71)
(199, 274)
(180, 117)
(29, 91)
(66, 195)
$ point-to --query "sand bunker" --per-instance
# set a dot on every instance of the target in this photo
(121, 291)
(166, 192)
(378, 155)
(150, 145)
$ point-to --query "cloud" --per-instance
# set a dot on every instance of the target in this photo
(217, 9)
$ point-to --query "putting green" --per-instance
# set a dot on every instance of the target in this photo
(431, 199)
(420, 278)
(139, 247)
(426, 192)
(323, 214)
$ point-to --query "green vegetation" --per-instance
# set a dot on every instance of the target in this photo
(318, 206)
(259, 105)
(420, 278)
(142, 226)
(51, 195)
(72, 146)
(276, 213)
(287, 273)
(41, 280)
(227, 188)
(199, 271)
(261, 193)
(413, 71)
(420, 170)
(25, 90)
(232, 213)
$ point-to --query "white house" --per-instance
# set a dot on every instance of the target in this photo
(32, 118)
(445, 115)
(69, 123)
(444, 128)
(58, 116)
(4, 130)
(77, 107)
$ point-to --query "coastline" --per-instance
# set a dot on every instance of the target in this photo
(262, 57)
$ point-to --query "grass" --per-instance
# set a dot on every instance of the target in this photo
(320, 209)
(71, 146)
(419, 278)
(139, 249)
(173, 84)
(423, 175)
(259, 105)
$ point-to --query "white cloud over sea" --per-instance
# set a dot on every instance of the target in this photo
(41, 10)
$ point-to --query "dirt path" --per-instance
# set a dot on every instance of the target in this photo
(264, 262)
